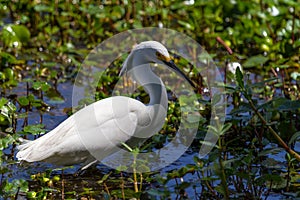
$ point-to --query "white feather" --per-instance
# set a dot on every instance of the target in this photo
(96, 131)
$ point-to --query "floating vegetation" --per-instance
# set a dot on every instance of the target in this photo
(42, 46)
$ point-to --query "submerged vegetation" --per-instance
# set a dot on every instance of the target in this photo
(42, 45)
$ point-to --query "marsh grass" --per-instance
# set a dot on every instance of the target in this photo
(42, 45)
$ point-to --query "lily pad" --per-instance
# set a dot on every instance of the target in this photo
(255, 61)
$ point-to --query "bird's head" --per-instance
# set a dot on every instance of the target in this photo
(151, 52)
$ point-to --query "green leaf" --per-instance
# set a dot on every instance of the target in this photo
(263, 83)
(45, 87)
(294, 138)
(6, 141)
(194, 118)
(43, 8)
(295, 75)
(23, 101)
(239, 77)
(270, 151)
(220, 189)
(186, 24)
(37, 85)
(255, 61)
(34, 129)
(7, 58)
(104, 178)
(9, 73)
(226, 127)
(216, 99)
(158, 193)
(283, 104)
(3, 101)
(14, 35)
(21, 32)
(127, 146)
(11, 106)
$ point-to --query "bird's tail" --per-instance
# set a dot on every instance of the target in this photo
(23, 149)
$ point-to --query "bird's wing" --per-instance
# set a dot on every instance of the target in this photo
(97, 128)
(61, 141)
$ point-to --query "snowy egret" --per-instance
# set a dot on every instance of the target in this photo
(82, 139)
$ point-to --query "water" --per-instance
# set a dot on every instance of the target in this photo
(57, 114)
(53, 118)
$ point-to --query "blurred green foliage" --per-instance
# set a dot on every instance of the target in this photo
(42, 45)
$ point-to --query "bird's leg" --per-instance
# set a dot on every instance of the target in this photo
(81, 170)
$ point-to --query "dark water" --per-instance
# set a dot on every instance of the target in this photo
(53, 118)
(57, 114)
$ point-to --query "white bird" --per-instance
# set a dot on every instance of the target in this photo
(231, 70)
(232, 66)
(94, 132)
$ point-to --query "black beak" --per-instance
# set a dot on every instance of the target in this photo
(172, 65)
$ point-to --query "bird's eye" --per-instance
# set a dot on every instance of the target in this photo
(162, 57)
(159, 55)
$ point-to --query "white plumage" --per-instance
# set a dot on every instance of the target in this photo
(94, 132)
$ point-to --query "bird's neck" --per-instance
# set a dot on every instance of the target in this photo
(152, 84)
(158, 104)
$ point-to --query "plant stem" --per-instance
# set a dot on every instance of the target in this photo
(275, 135)
(106, 188)
(141, 181)
(293, 25)
(223, 175)
(135, 185)
(62, 185)
(122, 187)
